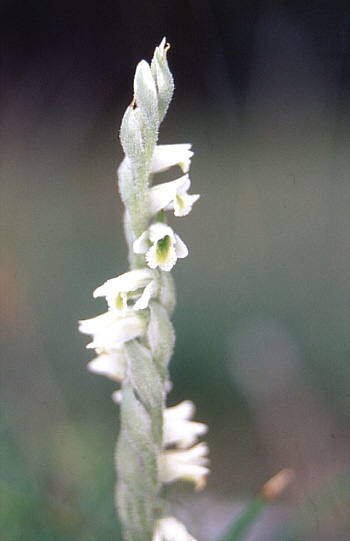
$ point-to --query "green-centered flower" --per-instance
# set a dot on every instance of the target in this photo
(161, 246)
(136, 287)
(166, 156)
(171, 529)
(172, 196)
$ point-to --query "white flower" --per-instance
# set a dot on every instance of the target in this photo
(161, 246)
(172, 196)
(178, 429)
(111, 364)
(189, 465)
(166, 156)
(112, 329)
(136, 284)
(171, 529)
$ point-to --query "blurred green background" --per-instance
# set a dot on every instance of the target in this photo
(262, 321)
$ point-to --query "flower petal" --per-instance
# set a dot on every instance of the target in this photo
(109, 364)
(159, 230)
(127, 286)
(183, 204)
(189, 465)
(171, 529)
(180, 247)
(178, 429)
(163, 246)
(141, 245)
(96, 324)
(166, 156)
(172, 196)
(150, 291)
(122, 330)
(161, 195)
(111, 329)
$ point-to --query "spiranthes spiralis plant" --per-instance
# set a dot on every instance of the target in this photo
(134, 338)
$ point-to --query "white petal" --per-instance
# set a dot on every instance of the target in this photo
(189, 465)
(183, 204)
(118, 290)
(183, 410)
(178, 429)
(141, 245)
(122, 330)
(171, 529)
(128, 281)
(180, 247)
(163, 195)
(109, 364)
(159, 230)
(150, 291)
(166, 156)
(96, 324)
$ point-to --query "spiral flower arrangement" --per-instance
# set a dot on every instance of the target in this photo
(134, 338)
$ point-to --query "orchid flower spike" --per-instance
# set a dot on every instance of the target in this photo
(134, 338)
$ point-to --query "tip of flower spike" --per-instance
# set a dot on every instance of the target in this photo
(164, 47)
(163, 78)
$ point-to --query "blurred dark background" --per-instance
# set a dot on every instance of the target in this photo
(262, 93)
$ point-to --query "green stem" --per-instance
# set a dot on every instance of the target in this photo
(245, 521)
